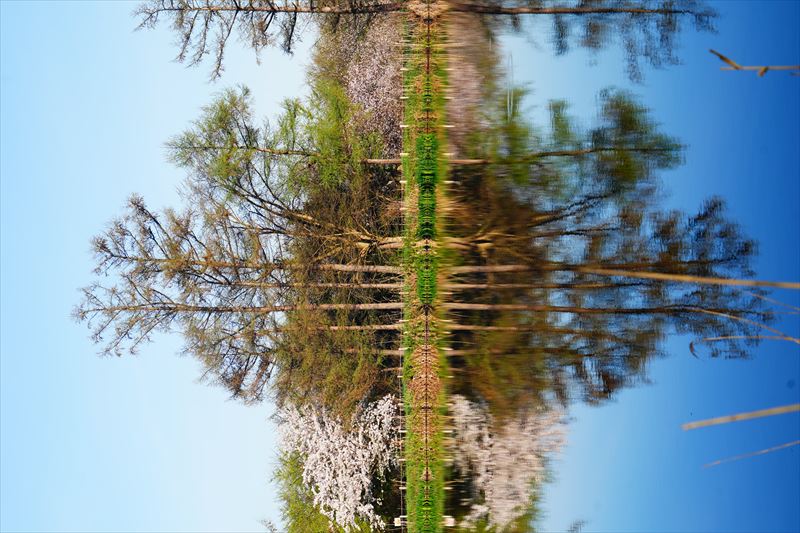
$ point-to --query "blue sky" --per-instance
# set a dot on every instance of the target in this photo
(135, 444)
(105, 444)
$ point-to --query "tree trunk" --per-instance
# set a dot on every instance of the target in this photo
(255, 310)
(305, 8)
(266, 285)
(488, 268)
(533, 156)
(600, 271)
(487, 9)
(501, 286)
(668, 310)
(689, 279)
(260, 266)
(366, 327)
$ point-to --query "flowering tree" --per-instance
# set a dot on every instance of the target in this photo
(504, 463)
(339, 463)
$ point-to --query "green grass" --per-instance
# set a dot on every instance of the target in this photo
(423, 169)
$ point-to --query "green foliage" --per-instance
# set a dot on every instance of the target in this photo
(335, 369)
(298, 510)
(631, 146)
(510, 140)
(622, 150)
(423, 171)
(288, 131)
(563, 131)
(222, 140)
(515, 135)
(299, 513)
(313, 144)
(339, 151)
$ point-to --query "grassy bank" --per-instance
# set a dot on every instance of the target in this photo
(424, 364)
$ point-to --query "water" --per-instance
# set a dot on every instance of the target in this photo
(489, 264)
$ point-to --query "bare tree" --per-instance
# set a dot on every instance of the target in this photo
(645, 28)
(223, 285)
(204, 27)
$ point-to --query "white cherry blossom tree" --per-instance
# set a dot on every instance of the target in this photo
(340, 464)
(505, 462)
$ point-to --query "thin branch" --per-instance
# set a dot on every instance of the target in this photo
(752, 454)
(761, 69)
(742, 337)
(690, 279)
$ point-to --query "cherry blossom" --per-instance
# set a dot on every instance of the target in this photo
(505, 463)
(340, 464)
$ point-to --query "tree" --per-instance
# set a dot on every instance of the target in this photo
(330, 367)
(531, 315)
(646, 28)
(297, 498)
(268, 245)
(204, 26)
(318, 139)
(340, 464)
(502, 465)
(566, 276)
(309, 160)
(215, 281)
(623, 147)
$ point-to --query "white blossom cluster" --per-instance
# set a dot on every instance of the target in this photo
(375, 83)
(340, 463)
(469, 82)
(505, 463)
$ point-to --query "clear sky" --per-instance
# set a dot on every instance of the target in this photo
(93, 444)
(135, 444)
(628, 466)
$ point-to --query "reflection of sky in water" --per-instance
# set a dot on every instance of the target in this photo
(627, 465)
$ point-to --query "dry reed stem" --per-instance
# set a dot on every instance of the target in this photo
(772, 411)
